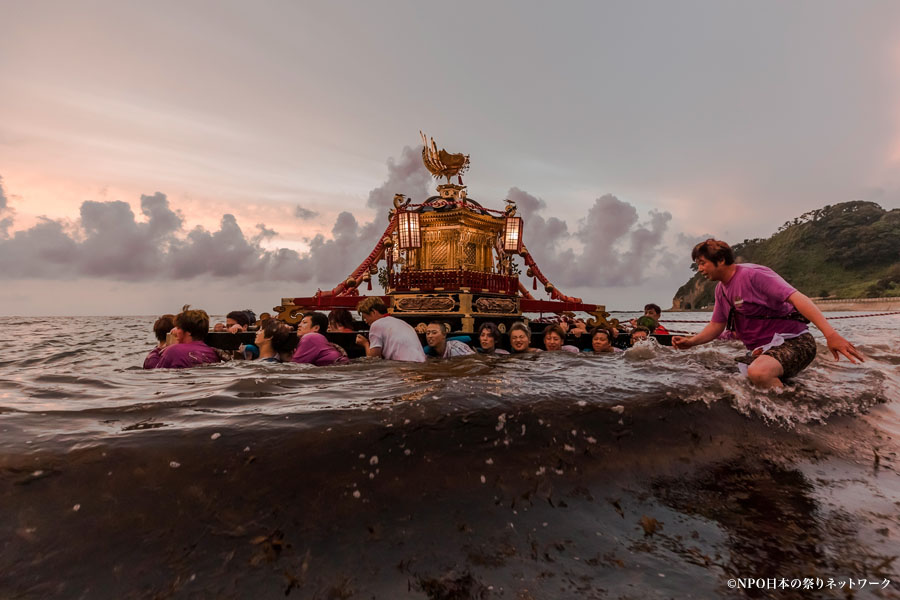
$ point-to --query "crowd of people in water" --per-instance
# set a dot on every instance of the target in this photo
(753, 304)
(181, 338)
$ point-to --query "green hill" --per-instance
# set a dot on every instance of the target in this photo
(849, 250)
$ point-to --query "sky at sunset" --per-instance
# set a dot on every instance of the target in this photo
(227, 154)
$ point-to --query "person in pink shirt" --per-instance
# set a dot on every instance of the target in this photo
(314, 348)
(161, 329)
(766, 313)
(191, 327)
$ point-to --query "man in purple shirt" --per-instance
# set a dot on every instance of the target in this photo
(765, 313)
(191, 327)
(161, 329)
(314, 348)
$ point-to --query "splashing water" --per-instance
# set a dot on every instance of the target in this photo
(652, 471)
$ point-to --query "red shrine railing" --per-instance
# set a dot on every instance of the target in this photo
(450, 280)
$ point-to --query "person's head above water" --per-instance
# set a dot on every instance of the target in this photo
(163, 326)
(520, 337)
(436, 336)
(275, 335)
(489, 337)
(371, 309)
(237, 317)
(340, 319)
(601, 340)
(553, 338)
(312, 322)
(191, 325)
(652, 310)
(639, 334)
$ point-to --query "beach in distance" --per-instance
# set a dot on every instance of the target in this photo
(837, 305)
(652, 473)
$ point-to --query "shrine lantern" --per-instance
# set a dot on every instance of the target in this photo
(409, 231)
(512, 235)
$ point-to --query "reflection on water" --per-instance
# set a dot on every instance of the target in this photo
(652, 474)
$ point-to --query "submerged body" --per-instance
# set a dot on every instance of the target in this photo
(315, 349)
(188, 354)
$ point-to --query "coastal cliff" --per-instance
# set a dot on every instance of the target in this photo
(849, 250)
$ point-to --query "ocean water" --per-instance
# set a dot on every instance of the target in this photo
(654, 473)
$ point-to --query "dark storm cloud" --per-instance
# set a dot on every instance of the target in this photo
(263, 233)
(6, 219)
(613, 247)
(304, 213)
(109, 241)
(45, 251)
(3, 201)
(161, 219)
(331, 260)
(408, 176)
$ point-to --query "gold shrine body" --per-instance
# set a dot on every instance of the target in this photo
(456, 239)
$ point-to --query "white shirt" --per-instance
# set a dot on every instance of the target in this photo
(457, 348)
(397, 340)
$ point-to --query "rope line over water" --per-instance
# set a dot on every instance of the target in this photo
(829, 318)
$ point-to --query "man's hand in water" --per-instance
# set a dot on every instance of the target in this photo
(838, 345)
(681, 343)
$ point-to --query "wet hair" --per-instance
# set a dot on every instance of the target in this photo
(240, 317)
(654, 307)
(520, 326)
(714, 251)
(341, 317)
(494, 331)
(280, 334)
(604, 331)
(163, 326)
(555, 329)
(440, 326)
(194, 322)
(319, 319)
(639, 328)
(372, 303)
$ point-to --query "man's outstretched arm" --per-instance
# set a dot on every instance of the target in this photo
(712, 330)
(836, 343)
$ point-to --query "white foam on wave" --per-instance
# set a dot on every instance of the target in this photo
(823, 391)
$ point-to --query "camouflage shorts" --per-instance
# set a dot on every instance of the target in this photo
(794, 354)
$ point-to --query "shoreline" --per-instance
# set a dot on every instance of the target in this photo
(876, 305)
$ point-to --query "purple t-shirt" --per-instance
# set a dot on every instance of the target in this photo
(189, 354)
(315, 349)
(756, 290)
(153, 358)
